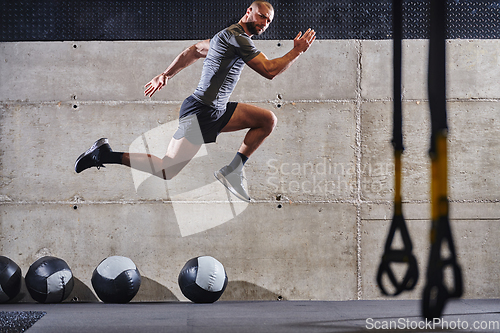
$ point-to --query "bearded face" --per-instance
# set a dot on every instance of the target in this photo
(259, 18)
(255, 29)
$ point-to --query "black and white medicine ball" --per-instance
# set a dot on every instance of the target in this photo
(49, 280)
(203, 279)
(116, 280)
(10, 279)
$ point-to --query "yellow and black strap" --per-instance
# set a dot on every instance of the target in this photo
(402, 255)
(436, 291)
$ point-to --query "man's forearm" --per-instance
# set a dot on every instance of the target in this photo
(279, 65)
(271, 68)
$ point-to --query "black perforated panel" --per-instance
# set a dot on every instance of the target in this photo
(52, 20)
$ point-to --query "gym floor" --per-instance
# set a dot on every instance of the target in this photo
(258, 316)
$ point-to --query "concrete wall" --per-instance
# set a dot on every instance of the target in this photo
(322, 182)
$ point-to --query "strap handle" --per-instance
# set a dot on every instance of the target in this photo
(404, 256)
(436, 293)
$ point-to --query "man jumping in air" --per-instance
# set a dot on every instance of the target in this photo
(207, 112)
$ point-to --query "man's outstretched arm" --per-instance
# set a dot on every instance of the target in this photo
(271, 68)
(183, 60)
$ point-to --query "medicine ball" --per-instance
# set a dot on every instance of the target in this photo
(10, 279)
(116, 280)
(49, 280)
(203, 279)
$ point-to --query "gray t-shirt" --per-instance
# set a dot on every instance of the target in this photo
(229, 50)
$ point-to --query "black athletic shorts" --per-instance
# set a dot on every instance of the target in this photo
(200, 123)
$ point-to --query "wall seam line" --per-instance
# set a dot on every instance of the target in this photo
(357, 153)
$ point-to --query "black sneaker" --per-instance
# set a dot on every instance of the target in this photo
(233, 181)
(92, 157)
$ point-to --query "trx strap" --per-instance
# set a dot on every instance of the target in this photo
(436, 293)
(404, 255)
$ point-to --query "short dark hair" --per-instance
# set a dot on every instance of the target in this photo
(262, 2)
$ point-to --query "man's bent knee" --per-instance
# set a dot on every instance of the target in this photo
(170, 170)
(271, 122)
(167, 174)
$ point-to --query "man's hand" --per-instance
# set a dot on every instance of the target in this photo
(155, 84)
(302, 43)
